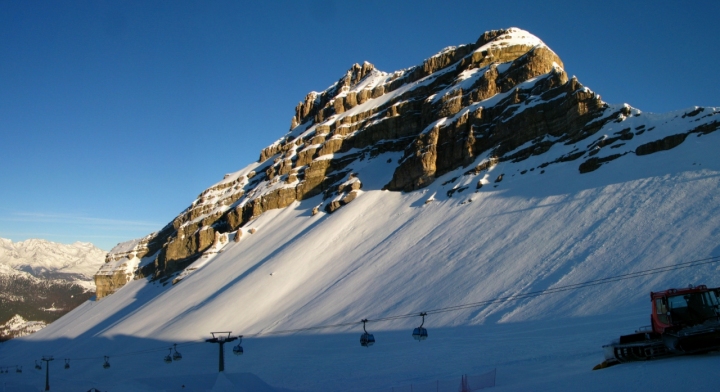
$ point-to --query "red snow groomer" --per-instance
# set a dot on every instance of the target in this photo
(683, 321)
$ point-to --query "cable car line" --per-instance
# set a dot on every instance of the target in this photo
(139, 352)
(578, 286)
(515, 297)
(575, 286)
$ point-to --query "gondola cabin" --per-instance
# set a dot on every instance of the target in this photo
(367, 339)
(419, 334)
(238, 350)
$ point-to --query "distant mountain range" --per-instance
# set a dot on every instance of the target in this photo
(459, 189)
(75, 262)
(41, 280)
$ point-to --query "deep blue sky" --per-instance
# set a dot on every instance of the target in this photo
(115, 115)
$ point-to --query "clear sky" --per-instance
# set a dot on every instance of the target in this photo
(115, 115)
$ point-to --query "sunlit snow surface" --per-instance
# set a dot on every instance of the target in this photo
(391, 253)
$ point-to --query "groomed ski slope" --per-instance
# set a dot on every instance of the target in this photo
(390, 253)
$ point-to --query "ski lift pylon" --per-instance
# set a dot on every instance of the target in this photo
(366, 339)
(420, 333)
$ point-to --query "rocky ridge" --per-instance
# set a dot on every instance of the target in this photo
(473, 107)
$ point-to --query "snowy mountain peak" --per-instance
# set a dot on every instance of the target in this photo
(497, 39)
(481, 188)
(504, 100)
(75, 262)
(17, 326)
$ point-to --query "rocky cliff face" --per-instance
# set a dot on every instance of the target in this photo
(504, 98)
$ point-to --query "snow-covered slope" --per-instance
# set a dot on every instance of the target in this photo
(466, 98)
(509, 222)
(76, 262)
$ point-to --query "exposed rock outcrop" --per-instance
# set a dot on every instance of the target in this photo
(504, 98)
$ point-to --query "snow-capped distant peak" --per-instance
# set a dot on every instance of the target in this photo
(17, 326)
(41, 258)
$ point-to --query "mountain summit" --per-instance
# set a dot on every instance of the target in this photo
(476, 194)
(483, 107)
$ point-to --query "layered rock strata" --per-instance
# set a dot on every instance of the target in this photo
(504, 98)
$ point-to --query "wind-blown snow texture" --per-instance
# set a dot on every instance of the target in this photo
(391, 253)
